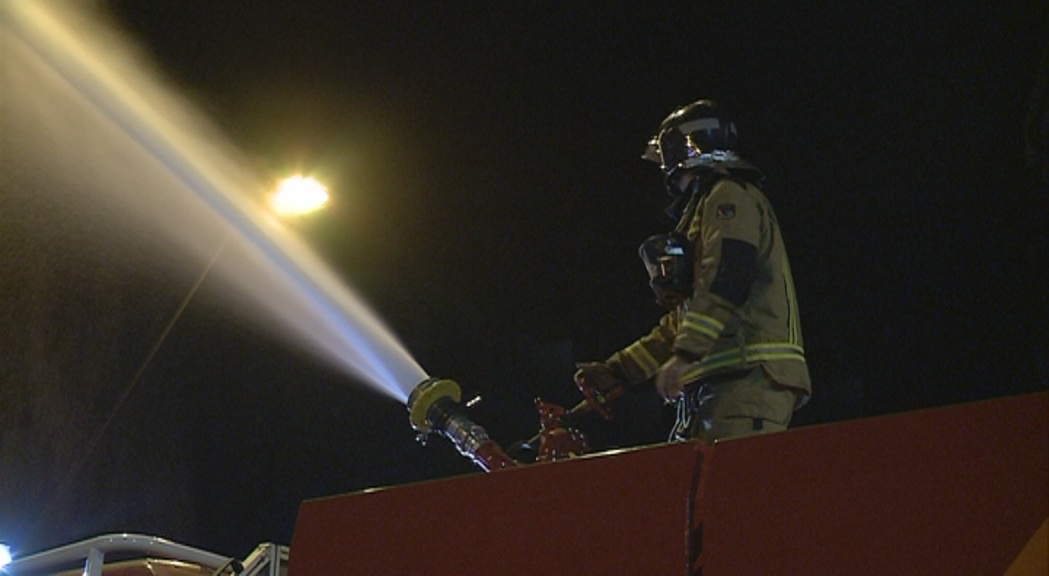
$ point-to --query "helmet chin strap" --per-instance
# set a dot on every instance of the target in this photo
(676, 208)
(699, 184)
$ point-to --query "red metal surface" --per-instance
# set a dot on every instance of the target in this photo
(957, 490)
(622, 513)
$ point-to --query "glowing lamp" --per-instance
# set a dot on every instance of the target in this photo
(299, 195)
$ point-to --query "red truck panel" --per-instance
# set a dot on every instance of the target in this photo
(956, 490)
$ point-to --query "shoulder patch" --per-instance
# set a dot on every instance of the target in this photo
(726, 211)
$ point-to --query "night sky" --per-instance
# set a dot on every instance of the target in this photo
(488, 201)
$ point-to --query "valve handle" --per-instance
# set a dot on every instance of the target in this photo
(600, 402)
(557, 441)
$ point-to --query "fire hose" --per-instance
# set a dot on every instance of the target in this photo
(434, 408)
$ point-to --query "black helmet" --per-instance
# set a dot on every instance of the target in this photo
(700, 134)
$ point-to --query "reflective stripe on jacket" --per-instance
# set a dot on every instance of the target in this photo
(765, 329)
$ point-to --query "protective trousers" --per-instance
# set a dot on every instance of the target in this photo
(734, 404)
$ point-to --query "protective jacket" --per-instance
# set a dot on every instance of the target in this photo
(743, 310)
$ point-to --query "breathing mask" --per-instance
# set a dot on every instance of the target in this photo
(668, 260)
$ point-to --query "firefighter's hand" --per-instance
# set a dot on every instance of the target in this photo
(599, 385)
(596, 376)
(671, 378)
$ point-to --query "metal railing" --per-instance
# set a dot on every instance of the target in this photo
(271, 556)
(267, 559)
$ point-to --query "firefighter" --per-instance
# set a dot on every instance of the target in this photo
(729, 351)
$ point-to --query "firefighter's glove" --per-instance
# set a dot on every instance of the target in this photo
(597, 376)
(670, 382)
(600, 385)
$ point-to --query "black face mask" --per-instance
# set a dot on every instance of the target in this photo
(668, 261)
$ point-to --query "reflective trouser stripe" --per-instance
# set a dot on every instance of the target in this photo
(793, 326)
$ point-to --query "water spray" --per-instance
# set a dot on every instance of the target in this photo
(276, 271)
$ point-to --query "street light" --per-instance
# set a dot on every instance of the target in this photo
(298, 195)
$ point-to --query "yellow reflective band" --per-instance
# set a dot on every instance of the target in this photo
(754, 353)
(639, 354)
(793, 328)
(703, 324)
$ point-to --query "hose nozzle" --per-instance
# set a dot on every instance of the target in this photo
(433, 406)
(432, 394)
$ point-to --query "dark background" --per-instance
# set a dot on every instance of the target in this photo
(488, 200)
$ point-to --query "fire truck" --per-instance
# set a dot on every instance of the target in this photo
(962, 489)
